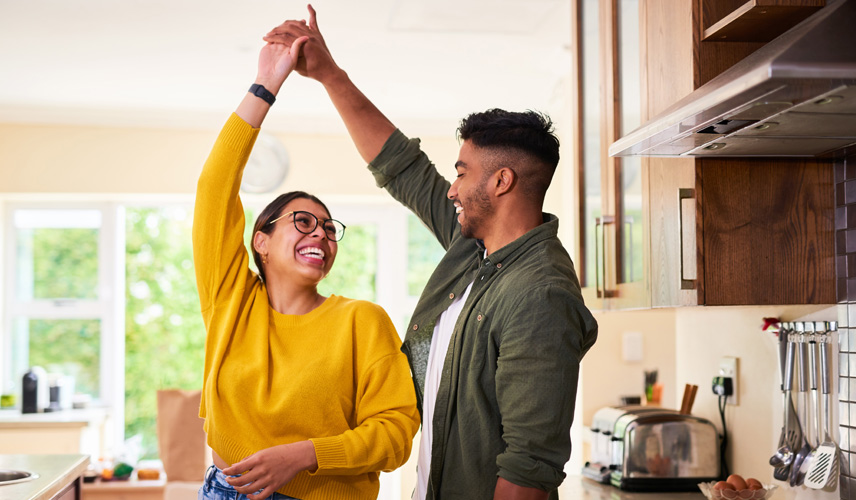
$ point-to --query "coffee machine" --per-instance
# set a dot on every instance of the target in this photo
(36, 396)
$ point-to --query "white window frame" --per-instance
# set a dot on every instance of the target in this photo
(108, 308)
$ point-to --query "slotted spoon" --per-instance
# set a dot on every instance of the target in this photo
(791, 435)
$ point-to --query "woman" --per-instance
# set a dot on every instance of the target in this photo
(304, 395)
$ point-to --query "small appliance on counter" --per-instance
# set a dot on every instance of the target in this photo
(35, 396)
(61, 388)
(644, 448)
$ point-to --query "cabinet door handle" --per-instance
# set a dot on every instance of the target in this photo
(600, 222)
(684, 194)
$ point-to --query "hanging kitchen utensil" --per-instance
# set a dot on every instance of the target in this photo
(811, 410)
(825, 464)
(791, 432)
(803, 412)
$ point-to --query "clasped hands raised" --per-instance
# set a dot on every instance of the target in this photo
(314, 59)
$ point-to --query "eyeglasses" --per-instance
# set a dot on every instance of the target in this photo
(306, 222)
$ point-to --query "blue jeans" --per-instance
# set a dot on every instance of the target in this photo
(216, 488)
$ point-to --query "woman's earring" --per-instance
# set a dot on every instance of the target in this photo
(264, 258)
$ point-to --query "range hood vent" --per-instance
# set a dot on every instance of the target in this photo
(795, 96)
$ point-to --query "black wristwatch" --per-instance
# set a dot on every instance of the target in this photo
(262, 93)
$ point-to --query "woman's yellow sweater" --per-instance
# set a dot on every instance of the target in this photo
(335, 375)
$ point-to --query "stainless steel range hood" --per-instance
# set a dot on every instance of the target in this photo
(795, 96)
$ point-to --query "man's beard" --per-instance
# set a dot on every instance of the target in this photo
(476, 211)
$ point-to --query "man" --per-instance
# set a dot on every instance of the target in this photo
(496, 339)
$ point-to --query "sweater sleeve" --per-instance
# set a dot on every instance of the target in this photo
(385, 406)
(219, 256)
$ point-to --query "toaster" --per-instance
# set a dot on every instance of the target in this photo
(644, 448)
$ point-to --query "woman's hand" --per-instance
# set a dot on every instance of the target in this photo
(270, 469)
(276, 61)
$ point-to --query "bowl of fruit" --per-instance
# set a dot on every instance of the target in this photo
(737, 488)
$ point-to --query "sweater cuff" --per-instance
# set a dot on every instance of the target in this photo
(238, 135)
(330, 453)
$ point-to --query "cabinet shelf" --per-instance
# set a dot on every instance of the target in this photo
(758, 20)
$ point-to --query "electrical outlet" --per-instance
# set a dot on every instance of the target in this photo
(728, 368)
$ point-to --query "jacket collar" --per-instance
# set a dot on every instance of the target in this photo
(549, 229)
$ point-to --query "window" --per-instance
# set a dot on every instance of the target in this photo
(59, 297)
(163, 323)
(106, 293)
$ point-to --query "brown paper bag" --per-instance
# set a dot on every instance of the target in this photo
(181, 438)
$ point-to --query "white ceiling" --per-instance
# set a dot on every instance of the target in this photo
(187, 63)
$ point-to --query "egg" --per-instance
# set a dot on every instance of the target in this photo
(737, 481)
(722, 485)
(754, 484)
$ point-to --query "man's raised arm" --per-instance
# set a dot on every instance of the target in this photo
(368, 127)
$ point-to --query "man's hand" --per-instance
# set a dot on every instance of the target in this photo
(271, 469)
(506, 490)
(315, 60)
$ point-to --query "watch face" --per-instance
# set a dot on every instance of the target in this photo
(267, 166)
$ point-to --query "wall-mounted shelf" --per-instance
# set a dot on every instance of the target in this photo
(755, 20)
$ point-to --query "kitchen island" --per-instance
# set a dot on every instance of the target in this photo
(82, 431)
(59, 476)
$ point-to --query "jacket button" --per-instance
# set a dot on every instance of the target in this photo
(451, 295)
(479, 317)
(415, 327)
(499, 266)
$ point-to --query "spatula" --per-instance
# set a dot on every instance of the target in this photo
(825, 463)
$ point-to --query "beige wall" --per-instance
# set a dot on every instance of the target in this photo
(65, 159)
(606, 377)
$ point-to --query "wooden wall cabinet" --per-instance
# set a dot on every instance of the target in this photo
(611, 258)
(727, 231)
(686, 231)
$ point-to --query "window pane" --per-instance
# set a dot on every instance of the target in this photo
(70, 347)
(423, 254)
(591, 167)
(54, 263)
(164, 333)
(630, 170)
(353, 274)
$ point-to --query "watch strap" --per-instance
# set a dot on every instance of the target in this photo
(262, 93)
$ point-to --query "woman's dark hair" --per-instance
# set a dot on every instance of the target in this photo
(271, 212)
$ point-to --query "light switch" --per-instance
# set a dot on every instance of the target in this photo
(631, 346)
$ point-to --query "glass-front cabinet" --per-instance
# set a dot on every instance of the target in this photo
(612, 230)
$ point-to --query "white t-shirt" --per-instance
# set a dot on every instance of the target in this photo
(436, 356)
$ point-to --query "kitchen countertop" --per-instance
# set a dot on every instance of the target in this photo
(581, 488)
(55, 472)
(14, 418)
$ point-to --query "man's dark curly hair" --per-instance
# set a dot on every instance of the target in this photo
(511, 133)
